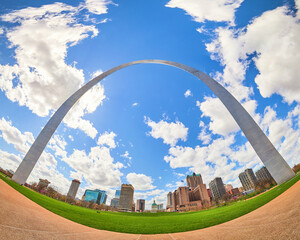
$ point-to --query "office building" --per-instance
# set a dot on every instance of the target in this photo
(263, 175)
(228, 187)
(217, 188)
(234, 191)
(117, 194)
(160, 206)
(73, 189)
(126, 197)
(194, 180)
(114, 203)
(193, 197)
(248, 179)
(97, 196)
(140, 205)
(169, 200)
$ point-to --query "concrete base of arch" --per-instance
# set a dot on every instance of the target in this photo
(21, 218)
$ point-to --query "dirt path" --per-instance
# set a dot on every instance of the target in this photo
(21, 218)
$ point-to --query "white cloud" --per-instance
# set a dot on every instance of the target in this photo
(202, 10)
(45, 167)
(171, 133)
(223, 159)
(107, 139)
(97, 6)
(140, 181)
(97, 167)
(221, 120)
(274, 36)
(204, 135)
(188, 93)
(273, 39)
(96, 73)
(126, 155)
(135, 104)
(49, 31)
(12, 135)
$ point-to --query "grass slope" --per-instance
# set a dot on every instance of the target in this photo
(152, 223)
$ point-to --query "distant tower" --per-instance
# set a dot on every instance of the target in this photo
(248, 179)
(73, 189)
(170, 200)
(217, 188)
(126, 197)
(43, 183)
(140, 205)
(194, 180)
(154, 207)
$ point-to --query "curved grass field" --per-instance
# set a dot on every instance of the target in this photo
(152, 223)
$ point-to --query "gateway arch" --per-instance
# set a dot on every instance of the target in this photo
(274, 162)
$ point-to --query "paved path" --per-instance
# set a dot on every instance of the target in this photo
(21, 218)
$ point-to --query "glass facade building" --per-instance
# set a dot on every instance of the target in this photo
(118, 193)
(97, 196)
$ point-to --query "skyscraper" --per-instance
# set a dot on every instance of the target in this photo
(217, 188)
(194, 180)
(126, 197)
(117, 194)
(169, 200)
(263, 175)
(73, 189)
(140, 205)
(248, 179)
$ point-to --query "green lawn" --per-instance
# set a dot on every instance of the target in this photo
(152, 223)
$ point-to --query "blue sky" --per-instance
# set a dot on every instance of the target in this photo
(148, 125)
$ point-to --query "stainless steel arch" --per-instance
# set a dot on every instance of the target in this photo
(273, 161)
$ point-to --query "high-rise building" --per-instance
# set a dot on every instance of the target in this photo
(140, 205)
(126, 197)
(248, 179)
(263, 175)
(73, 189)
(194, 180)
(228, 187)
(114, 203)
(97, 196)
(160, 206)
(117, 194)
(217, 188)
(169, 200)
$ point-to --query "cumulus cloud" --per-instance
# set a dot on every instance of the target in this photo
(222, 158)
(12, 135)
(140, 181)
(107, 139)
(206, 10)
(188, 93)
(45, 167)
(171, 133)
(273, 40)
(97, 167)
(221, 120)
(41, 79)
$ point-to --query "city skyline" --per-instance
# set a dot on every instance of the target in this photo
(120, 134)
